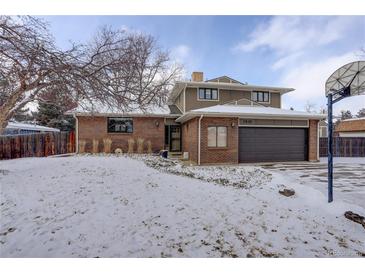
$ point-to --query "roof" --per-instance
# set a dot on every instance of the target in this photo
(248, 111)
(224, 79)
(180, 85)
(353, 119)
(103, 110)
(16, 125)
(353, 124)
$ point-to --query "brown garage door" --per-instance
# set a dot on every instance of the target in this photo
(272, 144)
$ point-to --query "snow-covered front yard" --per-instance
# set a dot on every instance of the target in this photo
(108, 206)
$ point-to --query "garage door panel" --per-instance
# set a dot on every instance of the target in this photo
(272, 144)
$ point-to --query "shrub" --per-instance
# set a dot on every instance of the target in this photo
(82, 145)
(140, 147)
(95, 146)
(149, 147)
(107, 145)
(130, 145)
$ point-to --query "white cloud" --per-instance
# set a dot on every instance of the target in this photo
(287, 60)
(287, 34)
(309, 79)
(300, 46)
(181, 53)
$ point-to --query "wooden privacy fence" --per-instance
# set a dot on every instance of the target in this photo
(36, 145)
(343, 147)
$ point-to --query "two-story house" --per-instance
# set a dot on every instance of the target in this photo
(215, 121)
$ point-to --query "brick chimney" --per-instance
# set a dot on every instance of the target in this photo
(197, 76)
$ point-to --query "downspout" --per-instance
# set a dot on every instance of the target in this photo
(184, 103)
(77, 133)
(318, 140)
(199, 137)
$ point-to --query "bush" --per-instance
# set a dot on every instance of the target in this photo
(140, 147)
(82, 145)
(130, 145)
(149, 147)
(95, 146)
(107, 145)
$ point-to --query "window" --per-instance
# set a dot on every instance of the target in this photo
(208, 94)
(261, 96)
(123, 125)
(217, 136)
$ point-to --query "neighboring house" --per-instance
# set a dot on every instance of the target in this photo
(15, 128)
(351, 128)
(216, 121)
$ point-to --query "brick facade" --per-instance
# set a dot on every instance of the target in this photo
(313, 140)
(190, 139)
(227, 155)
(210, 155)
(230, 154)
(351, 125)
(93, 127)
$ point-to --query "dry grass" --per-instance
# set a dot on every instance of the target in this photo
(107, 145)
(140, 145)
(95, 146)
(131, 146)
(149, 147)
(82, 145)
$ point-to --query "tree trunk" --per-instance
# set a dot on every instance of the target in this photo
(3, 124)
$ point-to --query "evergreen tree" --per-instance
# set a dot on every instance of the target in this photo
(51, 111)
(346, 115)
(23, 115)
(361, 113)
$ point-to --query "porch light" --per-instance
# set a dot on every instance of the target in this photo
(157, 123)
(233, 124)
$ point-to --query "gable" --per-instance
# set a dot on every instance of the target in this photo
(224, 79)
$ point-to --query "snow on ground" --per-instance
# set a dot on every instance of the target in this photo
(348, 179)
(100, 206)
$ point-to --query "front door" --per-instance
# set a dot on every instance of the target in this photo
(174, 137)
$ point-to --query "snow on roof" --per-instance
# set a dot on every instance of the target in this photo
(353, 119)
(103, 110)
(248, 111)
(16, 125)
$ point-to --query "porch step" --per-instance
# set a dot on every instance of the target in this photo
(175, 155)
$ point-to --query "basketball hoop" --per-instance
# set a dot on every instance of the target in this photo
(348, 80)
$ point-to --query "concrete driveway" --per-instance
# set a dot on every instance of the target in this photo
(349, 176)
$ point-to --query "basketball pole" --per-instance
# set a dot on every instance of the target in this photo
(330, 148)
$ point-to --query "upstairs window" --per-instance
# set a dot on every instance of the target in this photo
(208, 94)
(120, 125)
(261, 96)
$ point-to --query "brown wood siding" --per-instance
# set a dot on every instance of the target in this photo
(225, 96)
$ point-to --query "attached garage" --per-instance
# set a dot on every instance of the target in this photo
(270, 144)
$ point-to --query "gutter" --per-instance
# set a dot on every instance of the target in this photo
(199, 138)
(189, 115)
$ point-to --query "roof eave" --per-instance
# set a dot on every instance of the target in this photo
(80, 114)
(188, 116)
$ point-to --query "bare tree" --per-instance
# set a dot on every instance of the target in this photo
(310, 107)
(141, 75)
(116, 68)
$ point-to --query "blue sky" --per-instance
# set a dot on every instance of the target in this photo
(291, 51)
